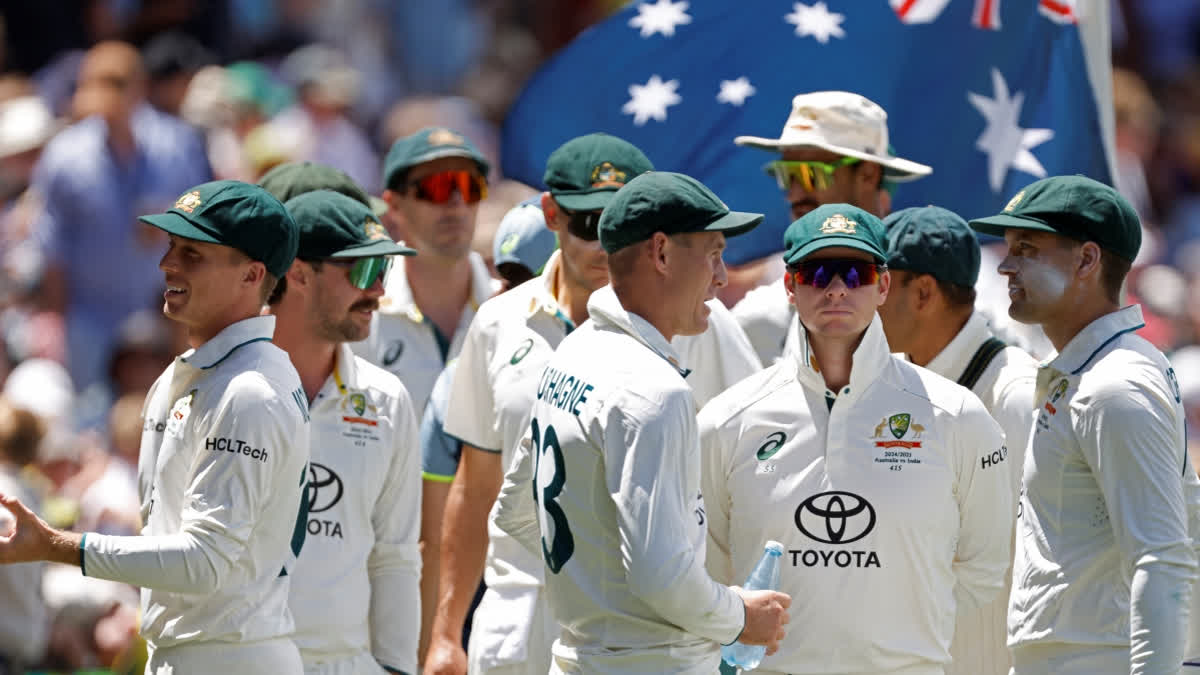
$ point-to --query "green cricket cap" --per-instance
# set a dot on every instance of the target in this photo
(834, 225)
(293, 179)
(935, 241)
(671, 203)
(333, 225)
(1072, 206)
(427, 145)
(235, 214)
(584, 173)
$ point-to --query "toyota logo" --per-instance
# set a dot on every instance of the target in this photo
(324, 488)
(835, 517)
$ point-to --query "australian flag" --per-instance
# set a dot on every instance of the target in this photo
(993, 94)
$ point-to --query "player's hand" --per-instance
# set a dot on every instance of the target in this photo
(766, 615)
(445, 657)
(23, 536)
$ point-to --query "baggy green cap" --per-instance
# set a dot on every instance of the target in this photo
(671, 203)
(834, 225)
(333, 225)
(235, 214)
(1072, 206)
(584, 173)
(427, 145)
(293, 179)
(934, 241)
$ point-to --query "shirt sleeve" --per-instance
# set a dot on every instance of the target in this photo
(394, 564)
(719, 357)
(470, 412)
(1014, 412)
(1132, 439)
(714, 485)
(986, 504)
(222, 503)
(516, 513)
(440, 451)
(647, 449)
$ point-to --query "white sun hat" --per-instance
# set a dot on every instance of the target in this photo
(25, 123)
(841, 122)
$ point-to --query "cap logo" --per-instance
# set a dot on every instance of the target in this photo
(1012, 203)
(188, 202)
(838, 224)
(373, 229)
(444, 137)
(607, 175)
(510, 242)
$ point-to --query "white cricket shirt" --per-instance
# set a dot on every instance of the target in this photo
(616, 509)
(225, 447)
(1103, 548)
(406, 344)
(355, 588)
(893, 505)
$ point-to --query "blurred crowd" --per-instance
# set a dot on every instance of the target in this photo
(109, 109)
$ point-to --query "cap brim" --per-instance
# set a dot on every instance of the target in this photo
(896, 169)
(734, 223)
(996, 225)
(381, 247)
(176, 224)
(587, 201)
(830, 242)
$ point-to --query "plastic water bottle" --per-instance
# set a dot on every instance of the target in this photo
(765, 577)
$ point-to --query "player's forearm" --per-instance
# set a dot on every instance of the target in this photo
(178, 563)
(463, 552)
(1160, 594)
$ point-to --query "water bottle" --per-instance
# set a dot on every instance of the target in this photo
(765, 577)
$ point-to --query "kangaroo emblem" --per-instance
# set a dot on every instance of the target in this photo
(879, 429)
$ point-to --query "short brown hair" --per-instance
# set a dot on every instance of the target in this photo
(21, 433)
(1113, 270)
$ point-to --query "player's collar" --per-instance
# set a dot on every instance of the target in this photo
(398, 298)
(236, 334)
(1094, 337)
(957, 354)
(605, 309)
(868, 362)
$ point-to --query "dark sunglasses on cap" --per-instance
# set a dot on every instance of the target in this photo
(363, 271)
(584, 225)
(820, 273)
(811, 175)
(439, 187)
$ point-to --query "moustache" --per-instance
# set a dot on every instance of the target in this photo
(368, 305)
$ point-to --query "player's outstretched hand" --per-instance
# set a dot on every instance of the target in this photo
(445, 657)
(23, 536)
(766, 615)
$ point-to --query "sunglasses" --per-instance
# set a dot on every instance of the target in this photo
(820, 273)
(811, 175)
(363, 271)
(439, 187)
(583, 224)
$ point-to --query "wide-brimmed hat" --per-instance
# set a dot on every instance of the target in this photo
(841, 122)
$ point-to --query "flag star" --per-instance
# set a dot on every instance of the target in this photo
(651, 100)
(1007, 145)
(817, 21)
(663, 17)
(735, 91)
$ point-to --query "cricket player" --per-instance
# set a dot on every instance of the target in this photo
(613, 453)
(1104, 558)
(833, 149)
(224, 454)
(885, 482)
(354, 591)
(929, 315)
(492, 397)
(435, 180)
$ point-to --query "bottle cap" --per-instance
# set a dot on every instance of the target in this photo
(774, 547)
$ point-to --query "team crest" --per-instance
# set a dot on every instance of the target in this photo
(607, 175)
(179, 414)
(444, 137)
(1012, 203)
(510, 242)
(838, 224)
(188, 202)
(898, 425)
(374, 230)
(358, 402)
(1059, 391)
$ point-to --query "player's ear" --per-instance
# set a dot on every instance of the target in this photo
(550, 212)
